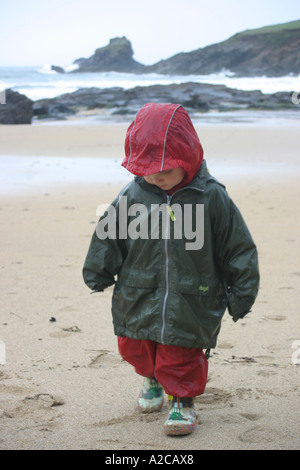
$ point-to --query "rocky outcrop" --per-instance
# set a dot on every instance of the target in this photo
(117, 56)
(271, 51)
(57, 69)
(15, 108)
(194, 97)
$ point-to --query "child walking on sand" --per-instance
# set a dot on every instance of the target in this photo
(179, 253)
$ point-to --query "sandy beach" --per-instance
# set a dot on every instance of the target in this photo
(63, 384)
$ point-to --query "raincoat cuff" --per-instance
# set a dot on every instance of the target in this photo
(238, 307)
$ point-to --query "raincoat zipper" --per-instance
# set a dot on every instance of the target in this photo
(166, 278)
(169, 197)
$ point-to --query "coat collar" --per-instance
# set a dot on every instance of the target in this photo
(199, 183)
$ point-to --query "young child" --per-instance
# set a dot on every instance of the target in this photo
(170, 293)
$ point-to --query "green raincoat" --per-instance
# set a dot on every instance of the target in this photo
(169, 287)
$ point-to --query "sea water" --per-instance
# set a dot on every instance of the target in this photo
(42, 82)
(39, 173)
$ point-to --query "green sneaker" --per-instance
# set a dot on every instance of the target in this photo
(151, 396)
(181, 418)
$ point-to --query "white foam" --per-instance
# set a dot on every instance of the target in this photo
(71, 68)
(38, 83)
(40, 93)
(46, 69)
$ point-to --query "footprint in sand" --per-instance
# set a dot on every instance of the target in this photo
(225, 345)
(44, 400)
(276, 347)
(266, 373)
(40, 408)
(34, 409)
(251, 416)
(105, 358)
(261, 435)
(213, 396)
(276, 317)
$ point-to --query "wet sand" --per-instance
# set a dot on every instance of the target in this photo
(63, 384)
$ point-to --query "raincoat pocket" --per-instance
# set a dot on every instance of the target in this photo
(200, 286)
(136, 303)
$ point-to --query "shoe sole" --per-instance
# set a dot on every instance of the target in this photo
(150, 409)
(179, 430)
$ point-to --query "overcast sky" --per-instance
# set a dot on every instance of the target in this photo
(40, 32)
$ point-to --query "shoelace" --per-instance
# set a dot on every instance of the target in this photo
(175, 412)
(176, 407)
(153, 391)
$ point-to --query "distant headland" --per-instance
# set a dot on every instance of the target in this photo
(271, 51)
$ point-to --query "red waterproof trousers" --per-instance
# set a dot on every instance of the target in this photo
(181, 371)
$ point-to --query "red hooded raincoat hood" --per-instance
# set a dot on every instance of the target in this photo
(162, 137)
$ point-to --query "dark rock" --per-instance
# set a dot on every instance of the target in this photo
(45, 109)
(17, 109)
(117, 56)
(195, 97)
(82, 99)
(57, 69)
(270, 51)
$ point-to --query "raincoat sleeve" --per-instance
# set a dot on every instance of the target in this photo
(105, 255)
(236, 256)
